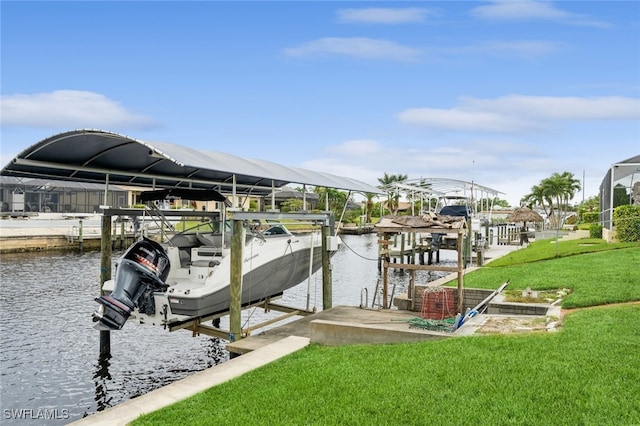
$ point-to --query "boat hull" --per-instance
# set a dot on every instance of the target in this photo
(201, 287)
(261, 283)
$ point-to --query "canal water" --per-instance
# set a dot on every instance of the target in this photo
(50, 369)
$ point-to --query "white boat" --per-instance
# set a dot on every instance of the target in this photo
(189, 276)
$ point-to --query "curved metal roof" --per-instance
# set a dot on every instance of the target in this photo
(99, 156)
(445, 187)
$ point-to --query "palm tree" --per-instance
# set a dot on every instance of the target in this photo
(370, 196)
(571, 186)
(538, 197)
(559, 188)
(393, 195)
(335, 198)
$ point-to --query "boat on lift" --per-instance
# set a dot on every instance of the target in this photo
(188, 277)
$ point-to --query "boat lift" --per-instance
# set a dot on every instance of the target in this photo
(240, 221)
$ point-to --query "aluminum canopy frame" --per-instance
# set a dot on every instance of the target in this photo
(445, 187)
(98, 156)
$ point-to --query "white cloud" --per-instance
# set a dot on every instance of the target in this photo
(357, 47)
(68, 108)
(531, 10)
(515, 113)
(379, 15)
(507, 165)
(357, 147)
(460, 119)
(561, 108)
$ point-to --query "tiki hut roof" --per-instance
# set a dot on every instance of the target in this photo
(524, 214)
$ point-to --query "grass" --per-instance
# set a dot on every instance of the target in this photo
(587, 373)
(546, 250)
(596, 278)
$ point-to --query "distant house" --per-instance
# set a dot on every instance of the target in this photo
(275, 199)
(48, 196)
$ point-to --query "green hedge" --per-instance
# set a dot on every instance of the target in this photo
(595, 230)
(590, 217)
(627, 222)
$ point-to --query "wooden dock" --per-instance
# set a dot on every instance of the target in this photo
(357, 230)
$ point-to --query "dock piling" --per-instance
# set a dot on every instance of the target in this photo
(105, 274)
(80, 236)
(327, 302)
(235, 288)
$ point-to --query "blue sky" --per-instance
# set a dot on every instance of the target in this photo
(503, 93)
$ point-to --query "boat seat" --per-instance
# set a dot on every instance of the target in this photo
(214, 240)
(205, 263)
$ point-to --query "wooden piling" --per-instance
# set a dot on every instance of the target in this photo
(460, 273)
(80, 243)
(327, 298)
(235, 288)
(105, 275)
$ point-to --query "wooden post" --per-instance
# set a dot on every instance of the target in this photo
(235, 288)
(402, 247)
(327, 301)
(80, 236)
(460, 273)
(413, 247)
(122, 235)
(411, 291)
(385, 276)
(468, 247)
(105, 275)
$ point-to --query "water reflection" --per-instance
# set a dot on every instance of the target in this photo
(101, 378)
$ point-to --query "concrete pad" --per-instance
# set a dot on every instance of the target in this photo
(132, 409)
(334, 333)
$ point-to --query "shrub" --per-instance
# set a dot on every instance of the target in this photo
(595, 230)
(590, 217)
(291, 205)
(351, 216)
(627, 222)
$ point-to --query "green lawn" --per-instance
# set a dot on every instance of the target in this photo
(588, 373)
(597, 278)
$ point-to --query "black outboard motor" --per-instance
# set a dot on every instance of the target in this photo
(142, 271)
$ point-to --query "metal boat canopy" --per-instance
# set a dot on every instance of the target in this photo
(105, 157)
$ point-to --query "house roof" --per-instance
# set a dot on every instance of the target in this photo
(98, 156)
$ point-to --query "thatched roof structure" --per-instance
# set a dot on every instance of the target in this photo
(524, 214)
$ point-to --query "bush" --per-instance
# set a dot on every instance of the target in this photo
(351, 216)
(590, 217)
(627, 222)
(291, 205)
(595, 230)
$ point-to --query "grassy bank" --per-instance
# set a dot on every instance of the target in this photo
(595, 275)
(587, 373)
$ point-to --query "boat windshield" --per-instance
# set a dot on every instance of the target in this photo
(276, 230)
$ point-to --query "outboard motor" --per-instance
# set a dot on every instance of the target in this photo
(142, 271)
